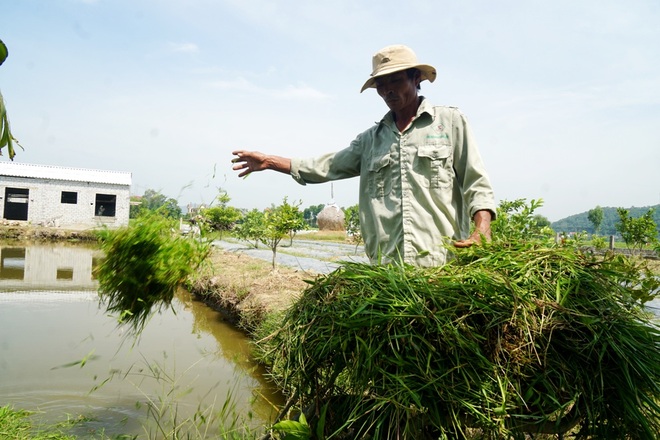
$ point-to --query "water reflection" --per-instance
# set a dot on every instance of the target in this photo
(61, 354)
(12, 263)
(47, 267)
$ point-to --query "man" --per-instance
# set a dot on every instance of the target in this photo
(421, 175)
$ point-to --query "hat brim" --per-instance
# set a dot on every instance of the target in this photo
(428, 73)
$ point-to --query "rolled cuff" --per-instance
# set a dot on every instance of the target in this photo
(473, 209)
(295, 171)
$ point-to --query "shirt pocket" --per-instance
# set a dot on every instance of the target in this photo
(380, 176)
(436, 165)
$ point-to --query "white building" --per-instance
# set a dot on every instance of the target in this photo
(63, 197)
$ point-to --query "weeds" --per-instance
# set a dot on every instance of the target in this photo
(166, 420)
(143, 265)
(15, 424)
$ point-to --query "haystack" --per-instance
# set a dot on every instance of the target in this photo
(331, 218)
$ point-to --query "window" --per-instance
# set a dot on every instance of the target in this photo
(69, 197)
(106, 205)
(16, 203)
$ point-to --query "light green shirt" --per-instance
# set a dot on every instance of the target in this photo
(418, 188)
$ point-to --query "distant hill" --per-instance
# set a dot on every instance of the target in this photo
(580, 222)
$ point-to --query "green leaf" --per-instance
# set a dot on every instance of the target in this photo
(294, 430)
(4, 52)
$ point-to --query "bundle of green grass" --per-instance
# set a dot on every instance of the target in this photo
(503, 342)
(143, 265)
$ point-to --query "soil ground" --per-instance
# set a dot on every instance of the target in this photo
(245, 288)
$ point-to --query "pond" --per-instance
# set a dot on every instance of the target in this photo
(63, 356)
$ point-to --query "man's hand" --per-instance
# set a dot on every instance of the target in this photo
(249, 161)
(482, 221)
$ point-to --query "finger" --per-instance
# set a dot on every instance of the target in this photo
(463, 243)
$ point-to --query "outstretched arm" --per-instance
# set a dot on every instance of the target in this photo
(249, 161)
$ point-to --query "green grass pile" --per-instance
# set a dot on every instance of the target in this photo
(504, 340)
(143, 266)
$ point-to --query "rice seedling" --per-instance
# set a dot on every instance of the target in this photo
(166, 418)
(167, 415)
(17, 424)
(143, 266)
(509, 339)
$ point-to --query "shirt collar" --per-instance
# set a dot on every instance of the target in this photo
(424, 107)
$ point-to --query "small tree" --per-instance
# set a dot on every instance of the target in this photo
(171, 208)
(595, 216)
(598, 242)
(293, 218)
(252, 227)
(542, 221)
(221, 217)
(154, 201)
(279, 222)
(637, 232)
(352, 224)
(516, 220)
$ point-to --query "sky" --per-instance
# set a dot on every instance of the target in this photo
(563, 97)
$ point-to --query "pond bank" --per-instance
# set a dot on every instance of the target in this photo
(33, 233)
(245, 289)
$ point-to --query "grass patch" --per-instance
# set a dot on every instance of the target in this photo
(332, 236)
(15, 424)
(285, 250)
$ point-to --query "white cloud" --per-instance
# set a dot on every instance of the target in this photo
(184, 47)
(293, 92)
(238, 84)
(301, 91)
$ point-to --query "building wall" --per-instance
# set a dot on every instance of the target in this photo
(45, 205)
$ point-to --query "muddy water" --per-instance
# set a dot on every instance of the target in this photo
(61, 354)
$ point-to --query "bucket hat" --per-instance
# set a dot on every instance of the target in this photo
(396, 58)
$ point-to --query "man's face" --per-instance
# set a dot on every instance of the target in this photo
(398, 90)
